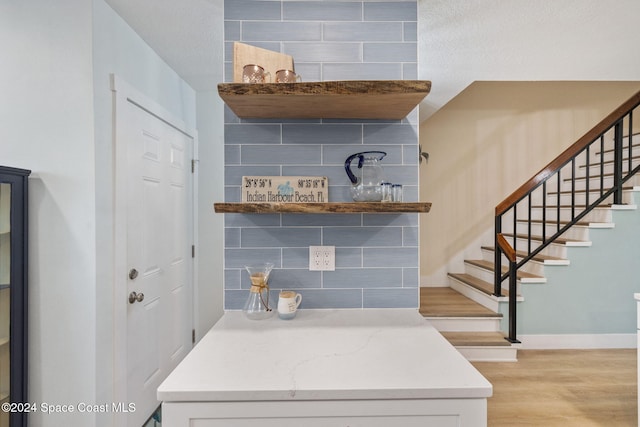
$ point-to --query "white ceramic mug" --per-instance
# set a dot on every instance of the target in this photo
(288, 302)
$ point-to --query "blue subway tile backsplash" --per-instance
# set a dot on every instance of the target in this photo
(329, 52)
(390, 52)
(321, 11)
(244, 10)
(363, 31)
(283, 31)
(391, 11)
(376, 254)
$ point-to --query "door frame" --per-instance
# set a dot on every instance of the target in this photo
(124, 94)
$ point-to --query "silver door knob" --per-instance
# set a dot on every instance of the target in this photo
(133, 273)
(134, 296)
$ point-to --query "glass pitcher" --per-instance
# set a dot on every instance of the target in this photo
(367, 178)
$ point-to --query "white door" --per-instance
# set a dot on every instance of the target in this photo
(159, 263)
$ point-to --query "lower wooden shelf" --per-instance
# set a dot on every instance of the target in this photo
(315, 208)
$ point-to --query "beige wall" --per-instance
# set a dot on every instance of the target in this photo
(486, 142)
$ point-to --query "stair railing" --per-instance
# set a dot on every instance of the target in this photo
(599, 184)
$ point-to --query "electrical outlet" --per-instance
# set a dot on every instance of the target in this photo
(322, 258)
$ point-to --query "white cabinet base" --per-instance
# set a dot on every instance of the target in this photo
(358, 413)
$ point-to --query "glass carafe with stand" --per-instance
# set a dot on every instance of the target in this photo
(257, 305)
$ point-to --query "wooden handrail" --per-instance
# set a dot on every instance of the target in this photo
(506, 248)
(569, 153)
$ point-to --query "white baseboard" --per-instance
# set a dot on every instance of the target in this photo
(581, 341)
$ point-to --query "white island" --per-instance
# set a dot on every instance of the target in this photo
(386, 367)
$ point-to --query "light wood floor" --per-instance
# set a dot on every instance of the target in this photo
(564, 388)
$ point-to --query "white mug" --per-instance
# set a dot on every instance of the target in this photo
(288, 302)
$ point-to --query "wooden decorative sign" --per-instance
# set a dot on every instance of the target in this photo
(285, 189)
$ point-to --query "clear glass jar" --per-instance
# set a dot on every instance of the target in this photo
(386, 192)
(257, 305)
(396, 191)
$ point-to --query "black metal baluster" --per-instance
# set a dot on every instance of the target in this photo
(617, 164)
(586, 188)
(558, 204)
(573, 188)
(515, 228)
(529, 225)
(497, 258)
(630, 148)
(513, 295)
(601, 165)
(544, 211)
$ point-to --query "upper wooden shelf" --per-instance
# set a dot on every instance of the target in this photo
(310, 208)
(348, 99)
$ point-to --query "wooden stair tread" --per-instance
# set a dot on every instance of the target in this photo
(625, 146)
(446, 302)
(552, 222)
(609, 162)
(476, 283)
(594, 176)
(538, 257)
(578, 206)
(488, 265)
(489, 339)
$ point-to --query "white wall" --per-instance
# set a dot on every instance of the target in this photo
(462, 41)
(209, 297)
(46, 125)
(118, 50)
(465, 41)
(55, 119)
(483, 145)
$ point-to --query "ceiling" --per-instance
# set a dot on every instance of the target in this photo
(185, 34)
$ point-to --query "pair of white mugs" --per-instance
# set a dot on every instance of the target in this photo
(288, 302)
(252, 73)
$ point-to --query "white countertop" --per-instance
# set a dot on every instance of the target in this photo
(322, 355)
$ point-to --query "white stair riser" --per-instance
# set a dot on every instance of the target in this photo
(574, 233)
(597, 215)
(554, 249)
(489, 354)
(609, 154)
(479, 272)
(522, 244)
(580, 198)
(462, 324)
(480, 297)
(594, 183)
(487, 275)
(533, 267)
(608, 167)
(567, 214)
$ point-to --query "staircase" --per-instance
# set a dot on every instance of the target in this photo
(467, 310)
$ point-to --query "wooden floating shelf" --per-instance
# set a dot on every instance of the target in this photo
(321, 208)
(348, 99)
